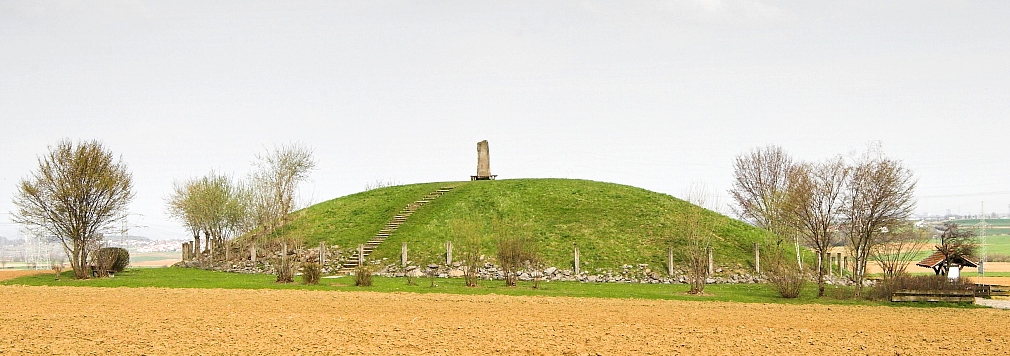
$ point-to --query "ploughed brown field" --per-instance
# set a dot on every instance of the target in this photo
(130, 321)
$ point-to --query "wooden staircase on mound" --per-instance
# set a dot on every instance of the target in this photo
(390, 227)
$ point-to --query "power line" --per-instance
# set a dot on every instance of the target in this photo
(1004, 192)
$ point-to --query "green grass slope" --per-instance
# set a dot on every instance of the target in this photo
(611, 224)
(350, 220)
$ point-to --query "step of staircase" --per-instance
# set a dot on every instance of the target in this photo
(391, 226)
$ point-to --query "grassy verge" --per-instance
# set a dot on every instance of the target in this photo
(193, 278)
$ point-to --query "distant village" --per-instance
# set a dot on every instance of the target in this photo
(19, 251)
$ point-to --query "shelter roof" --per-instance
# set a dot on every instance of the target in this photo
(937, 258)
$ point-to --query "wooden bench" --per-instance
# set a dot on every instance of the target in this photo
(94, 271)
(991, 290)
(951, 296)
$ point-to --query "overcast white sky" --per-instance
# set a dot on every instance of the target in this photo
(654, 94)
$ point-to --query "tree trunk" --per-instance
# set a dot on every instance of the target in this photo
(799, 256)
(79, 262)
(207, 244)
(821, 272)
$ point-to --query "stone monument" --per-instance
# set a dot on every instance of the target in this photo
(483, 163)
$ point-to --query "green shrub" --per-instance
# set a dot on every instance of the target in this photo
(285, 270)
(788, 281)
(362, 277)
(311, 272)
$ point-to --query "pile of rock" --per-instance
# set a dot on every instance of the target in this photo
(265, 260)
(628, 273)
(640, 273)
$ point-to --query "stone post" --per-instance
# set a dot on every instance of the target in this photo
(818, 264)
(711, 263)
(669, 262)
(757, 258)
(483, 160)
(845, 262)
(403, 255)
(576, 260)
(448, 253)
(831, 264)
(322, 253)
(185, 251)
(361, 255)
(252, 252)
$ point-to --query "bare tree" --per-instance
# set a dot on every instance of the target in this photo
(760, 186)
(77, 191)
(696, 233)
(761, 189)
(815, 201)
(956, 245)
(275, 183)
(183, 206)
(879, 197)
(515, 248)
(898, 248)
(56, 261)
(468, 231)
(222, 208)
(214, 204)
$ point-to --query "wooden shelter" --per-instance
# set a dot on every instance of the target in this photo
(937, 262)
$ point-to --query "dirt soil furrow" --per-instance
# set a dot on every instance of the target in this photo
(152, 321)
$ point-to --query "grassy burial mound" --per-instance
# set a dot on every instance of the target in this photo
(611, 224)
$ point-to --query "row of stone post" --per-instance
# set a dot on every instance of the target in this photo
(839, 261)
(191, 250)
(576, 257)
(448, 254)
(188, 254)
